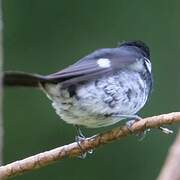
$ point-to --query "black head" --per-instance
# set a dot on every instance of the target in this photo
(139, 44)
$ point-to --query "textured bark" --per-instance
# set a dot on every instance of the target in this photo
(73, 149)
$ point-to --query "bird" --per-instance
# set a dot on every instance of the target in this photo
(103, 88)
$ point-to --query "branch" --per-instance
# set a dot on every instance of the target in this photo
(71, 150)
(170, 168)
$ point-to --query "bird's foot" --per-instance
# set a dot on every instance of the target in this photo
(143, 134)
(165, 130)
(79, 138)
(131, 121)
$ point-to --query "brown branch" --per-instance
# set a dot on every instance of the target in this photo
(170, 170)
(71, 150)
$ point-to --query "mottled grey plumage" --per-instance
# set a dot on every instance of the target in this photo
(103, 101)
(100, 89)
(108, 97)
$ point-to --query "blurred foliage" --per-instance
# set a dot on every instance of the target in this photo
(45, 36)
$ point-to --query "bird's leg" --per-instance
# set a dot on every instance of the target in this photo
(80, 135)
(134, 118)
(79, 138)
(131, 120)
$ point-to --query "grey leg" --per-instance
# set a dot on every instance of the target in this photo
(134, 118)
(131, 120)
(79, 138)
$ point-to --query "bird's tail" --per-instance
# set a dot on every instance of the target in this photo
(16, 78)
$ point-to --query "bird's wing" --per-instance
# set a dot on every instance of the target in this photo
(98, 63)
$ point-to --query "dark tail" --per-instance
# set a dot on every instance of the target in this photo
(13, 78)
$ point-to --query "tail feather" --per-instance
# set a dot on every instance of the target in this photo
(15, 78)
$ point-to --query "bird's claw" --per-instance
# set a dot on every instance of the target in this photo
(165, 130)
(79, 138)
(129, 124)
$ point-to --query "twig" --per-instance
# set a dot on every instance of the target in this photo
(71, 150)
(170, 170)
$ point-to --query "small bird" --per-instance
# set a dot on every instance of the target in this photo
(101, 89)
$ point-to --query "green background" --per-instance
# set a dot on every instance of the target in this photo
(45, 36)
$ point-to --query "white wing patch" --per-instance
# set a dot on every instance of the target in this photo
(104, 62)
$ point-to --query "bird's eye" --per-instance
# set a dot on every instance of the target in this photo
(148, 64)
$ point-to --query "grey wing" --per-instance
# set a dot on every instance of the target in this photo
(88, 67)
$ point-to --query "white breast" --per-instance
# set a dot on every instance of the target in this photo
(97, 99)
